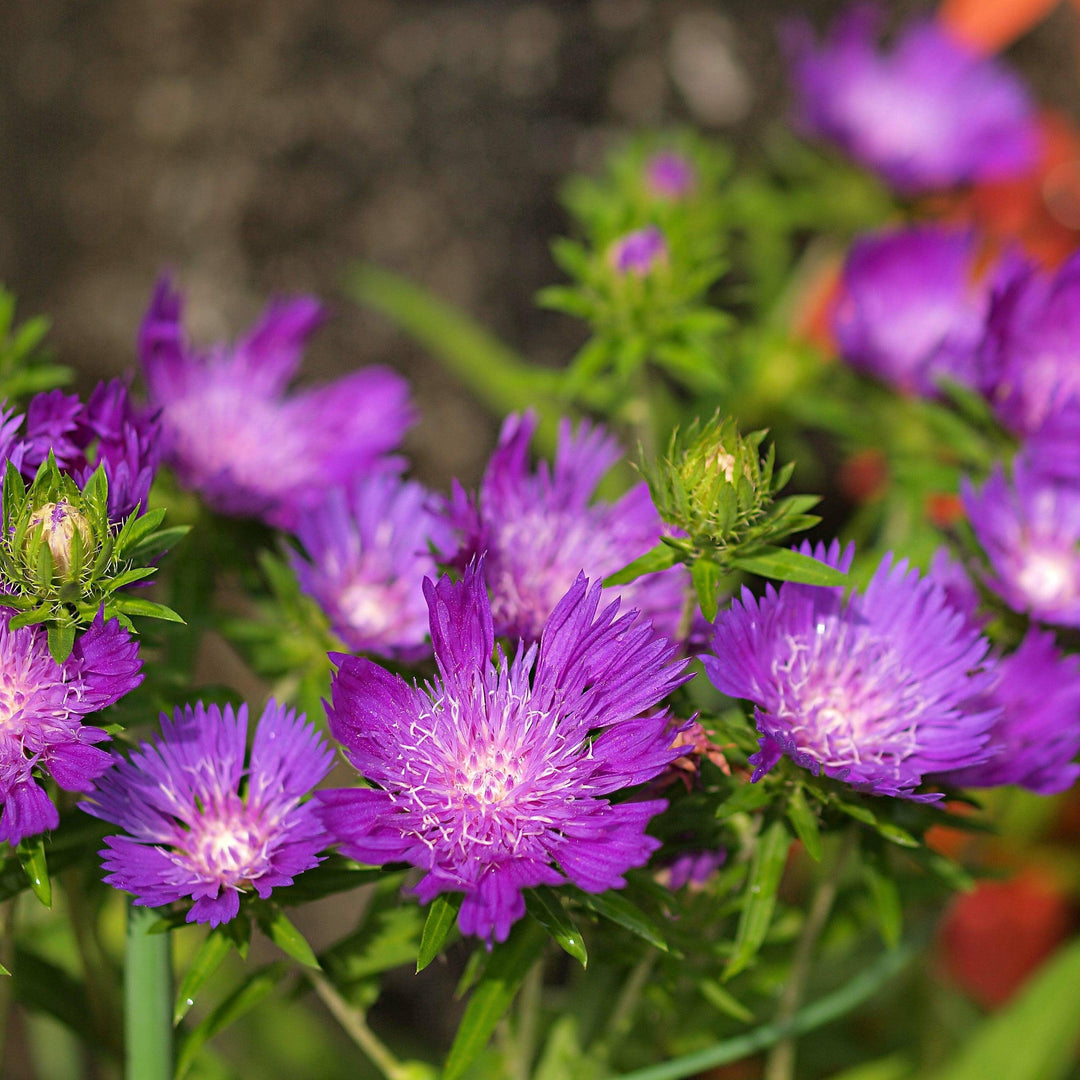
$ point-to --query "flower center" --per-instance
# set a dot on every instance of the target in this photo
(229, 849)
(1047, 577)
(489, 775)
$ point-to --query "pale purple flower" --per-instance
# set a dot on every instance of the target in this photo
(670, 175)
(43, 705)
(540, 530)
(694, 867)
(497, 776)
(234, 434)
(877, 689)
(638, 253)
(926, 114)
(912, 308)
(370, 548)
(1029, 527)
(200, 822)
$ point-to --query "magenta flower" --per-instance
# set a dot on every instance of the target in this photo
(539, 530)
(669, 175)
(638, 253)
(44, 704)
(200, 823)
(497, 777)
(232, 432)
(878, 689)
(928, 114)
(370, 548)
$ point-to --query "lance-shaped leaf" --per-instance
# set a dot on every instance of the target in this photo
(545, 906)
(31, 856)
(782, 564)
(279, 929)
(442, 914)
(207, 959)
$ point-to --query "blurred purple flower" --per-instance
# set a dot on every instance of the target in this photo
(44, 704)
(878, 689)
(928, 114)
(190, 831)
(369, 547)
(540, 531)
(670, 175)
(494, 778)
(694, 868)
(638, 252)
(235, 435)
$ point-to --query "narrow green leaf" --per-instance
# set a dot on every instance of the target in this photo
(31, 856)
(659, 558)
(506, 969)
(334, 874)
(546, 907)
(253, 990)
(780, 564)
(4, 970)
(157, 543)
(614, 906)
(442, 914)
(128, 577)
(136, 605)
(214, 948)
(61, 640)
(707, 576)
(885, 897)
(725, 1001)
(761, 888)
(896, 835)
(137, 527)
(30, 618)
(279, 929)
(805, 822)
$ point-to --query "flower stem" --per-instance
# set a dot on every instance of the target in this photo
(148, 994)
(7, 958)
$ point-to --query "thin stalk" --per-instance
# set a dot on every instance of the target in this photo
(148, 999)
(101, 989)
(623, 1014)
(528, 1021)
(686, 615)
(780, 1064)
(7, 958)
(355, 1026)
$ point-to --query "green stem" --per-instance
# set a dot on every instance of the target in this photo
(148, 999)
(837, 1004)
(7, 958)
(528, 1021)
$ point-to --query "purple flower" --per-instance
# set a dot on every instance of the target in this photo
(540, 531)
(496, 777)
(878, 689)
(1030, 531)
(694, 867)
(1030, 358)
(190, 832)
(669, 175)
(233, 433)
(912, 308)
(638, 252)
(370, 549)
(929, 114)
(44, 704)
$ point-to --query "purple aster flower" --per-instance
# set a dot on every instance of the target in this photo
(1030, 531)
(670, 175)
(44, 704)
(912, 307)
(639, 252)
(496, 777)
(1030, 358)
(370, 548)
(540, 531)
(877, 689)
(929, 114)
(232, 432)
(200, 823)
(694, 867)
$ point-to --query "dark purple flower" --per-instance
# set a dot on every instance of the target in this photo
(877, 689)
(639, 252)
(670, 175)
(912, 308)
(43, 704)
(694, 867)
(235, 435)
(495, 778)
(929, 113)
(1029, 528)
(540, 530)
(369, 547)
(200, 823)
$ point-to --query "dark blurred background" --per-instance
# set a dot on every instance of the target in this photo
(260, 146)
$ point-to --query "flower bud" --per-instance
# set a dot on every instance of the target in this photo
(639, 252)
(59, 522)
(669, 175)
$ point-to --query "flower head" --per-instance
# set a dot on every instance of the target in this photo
(670, 175)
(200, 823)
(497, 777)
(639, 252)
(42, 707)
(878, 689)
(929, 114)
(911, 308)
(233, 433)
(369, 547)
(540, 530)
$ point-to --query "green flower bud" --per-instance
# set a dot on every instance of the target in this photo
(60, 523)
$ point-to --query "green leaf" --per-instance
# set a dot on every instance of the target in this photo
(615, 907)
(31, 618)
(158, 543)
(442, 914)
(1035, 1036)
(659, 558)
(61, 639)
(725, 1001)
(546, 907)
(707, 576)
(766, 870)
(253, 990)
(506, 969)
(885, 897)
(31, 856)
(207, 959)
(334, 874)
(279, 929)
(136, 605)
(781, 564)
(805, 822)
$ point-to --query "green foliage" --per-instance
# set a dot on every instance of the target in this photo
(26, 365)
